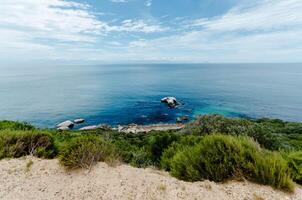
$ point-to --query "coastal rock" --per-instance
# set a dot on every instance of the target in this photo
(63, 128)
(131, 128)
(105, 127)
(170, 101)
(94, 127)
(88, 128)
(134, 128)
(65, 125)
(178, 120)
(79, 121)
(182, 119)
(185, 118)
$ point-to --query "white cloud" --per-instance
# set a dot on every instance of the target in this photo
(148, 3)
(55, 19)
(256, 33)
(62, 20)
(264, 15)
(266, 30)
(139, 26)
(44, 25)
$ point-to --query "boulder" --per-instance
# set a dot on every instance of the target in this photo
(130, 128)
(63, 128)
(65, 125)
(120, 128)
(88, 128)
(182, 119)
(185, 118)
(170, 101)
(105, 127)
(79, 121)
(178, 120)
(94, 127)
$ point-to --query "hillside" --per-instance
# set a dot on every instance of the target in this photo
(214, 148)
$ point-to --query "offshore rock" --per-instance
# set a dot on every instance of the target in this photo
(170, 101)
(67, 125)
(79, 121)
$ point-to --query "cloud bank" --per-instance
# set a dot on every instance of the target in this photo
(262, 31)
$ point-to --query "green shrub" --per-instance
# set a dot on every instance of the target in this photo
(11, 125)
(294, 159)
(270, 169)
(212, 124)
(157, 143)
(144, 149)
(221, 157)
(208, 124)
(14, 144)
(175, 147)
(141, 159)
(85, 151)
(293, 141)
(126, 150)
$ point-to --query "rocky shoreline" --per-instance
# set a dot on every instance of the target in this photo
(171, 102)
(130, 128)
(134, 128)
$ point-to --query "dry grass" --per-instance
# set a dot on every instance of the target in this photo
(28, 165)
(162, 187)
(257, 197)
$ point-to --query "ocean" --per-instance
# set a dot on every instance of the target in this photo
(45, 95)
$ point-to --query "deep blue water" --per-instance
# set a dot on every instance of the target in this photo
(120, 94)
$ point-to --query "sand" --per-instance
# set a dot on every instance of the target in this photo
(46, 179)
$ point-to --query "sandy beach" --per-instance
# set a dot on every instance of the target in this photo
(33, 178)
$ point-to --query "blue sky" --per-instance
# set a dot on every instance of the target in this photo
(151, 31)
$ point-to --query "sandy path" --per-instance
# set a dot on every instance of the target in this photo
(45, 179)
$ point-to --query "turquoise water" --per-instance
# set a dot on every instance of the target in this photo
(120, 94)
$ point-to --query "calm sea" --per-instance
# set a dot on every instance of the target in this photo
(122, 94)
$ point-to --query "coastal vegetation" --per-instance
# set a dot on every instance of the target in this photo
(213, 147)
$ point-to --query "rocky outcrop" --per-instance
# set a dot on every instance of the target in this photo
(79, 121)
(182, 119)
(170, 101)
(67, 125)
(94, 127)
(86, 128)
(134, 128)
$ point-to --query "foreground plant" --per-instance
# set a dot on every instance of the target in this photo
(86, 151)
(14, 144)
(221, 157)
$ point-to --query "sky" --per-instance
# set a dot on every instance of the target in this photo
(125, 31)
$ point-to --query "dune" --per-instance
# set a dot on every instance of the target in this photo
(33, 178)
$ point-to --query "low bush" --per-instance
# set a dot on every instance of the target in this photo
(168, 154)
(157, 143)
(85, 151)
(143, 149)
(212, 124)
(11, 125)
(221, 157)
(141, 159)
(14, 144)
(269, 168)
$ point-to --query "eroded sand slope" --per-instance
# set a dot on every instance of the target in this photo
(45, 179)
